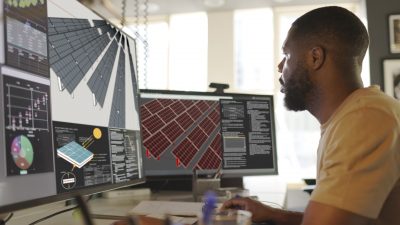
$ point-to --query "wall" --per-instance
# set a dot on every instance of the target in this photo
(377, 15)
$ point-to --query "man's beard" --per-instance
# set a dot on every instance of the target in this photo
(297, 90)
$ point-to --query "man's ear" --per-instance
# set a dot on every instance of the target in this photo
(317, 56)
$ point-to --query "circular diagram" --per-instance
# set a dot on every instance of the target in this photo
(68, 180)
(22, 152)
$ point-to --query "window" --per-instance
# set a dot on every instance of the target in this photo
(176, 55)
(254, 41)
(188, 52)
(157, 57)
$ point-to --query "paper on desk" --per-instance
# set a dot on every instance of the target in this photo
(168, 207)
(175, 219)
(183, 220)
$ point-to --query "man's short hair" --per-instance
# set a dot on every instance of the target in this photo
(334, 26)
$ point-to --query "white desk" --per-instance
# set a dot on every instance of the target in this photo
(269, 191)
(114, 207)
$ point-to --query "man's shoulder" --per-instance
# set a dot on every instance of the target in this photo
(372, 99)
(366, 107)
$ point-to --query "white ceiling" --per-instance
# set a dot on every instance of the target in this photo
(113, 8)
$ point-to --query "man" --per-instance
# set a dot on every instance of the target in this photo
(359, 150)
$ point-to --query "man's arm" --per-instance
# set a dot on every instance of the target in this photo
(318, 213)
(264, 213)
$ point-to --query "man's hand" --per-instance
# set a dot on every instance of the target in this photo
(264, 213)
(261, 212)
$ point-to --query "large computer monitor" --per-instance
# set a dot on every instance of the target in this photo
(202, 131)
(69, 104)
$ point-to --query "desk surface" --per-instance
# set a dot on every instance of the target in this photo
(102, 206)
(272, 193)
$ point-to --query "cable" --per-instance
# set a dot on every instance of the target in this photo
(57, 213)
(141, 35)
(3, 222)
(52, 215)
(136, 4)
(146, 44)
(123, 17)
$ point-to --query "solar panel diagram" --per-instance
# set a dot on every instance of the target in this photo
(83, 155)
(187, 130)
(75, 154)
(91, 69)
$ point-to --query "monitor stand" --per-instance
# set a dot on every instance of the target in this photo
(202, 184)
(234, 182)
(224, 187)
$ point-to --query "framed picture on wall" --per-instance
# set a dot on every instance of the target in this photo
(391, 75)
(394, 33)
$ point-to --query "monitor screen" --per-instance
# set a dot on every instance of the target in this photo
(186, 131)
(69, 104)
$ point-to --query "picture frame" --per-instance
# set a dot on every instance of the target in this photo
(394, 33)
(391, 75)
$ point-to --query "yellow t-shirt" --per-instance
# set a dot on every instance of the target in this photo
(359, 157)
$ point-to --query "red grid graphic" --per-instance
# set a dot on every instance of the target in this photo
(172, 131)
(216, 145)
(157, 144)
(178, 107)
(215, 117)
(154, 106)
(185, 152)
(144, 113)
(167, 114)
(198, 137)
(166, 102)
(145, 133)
(153, 124)
(185, 124)
(207, 125)
(209, 160)
(187, 103)
(194, 112)
(202, 105)
(210, 103)
(184, 120)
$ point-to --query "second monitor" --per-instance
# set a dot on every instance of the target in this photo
(202, 131)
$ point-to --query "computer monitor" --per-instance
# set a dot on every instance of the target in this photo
(69, 105)
(202, 131)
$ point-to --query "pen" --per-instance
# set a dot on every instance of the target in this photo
(209, 206)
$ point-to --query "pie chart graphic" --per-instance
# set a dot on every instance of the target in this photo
(22, 152)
